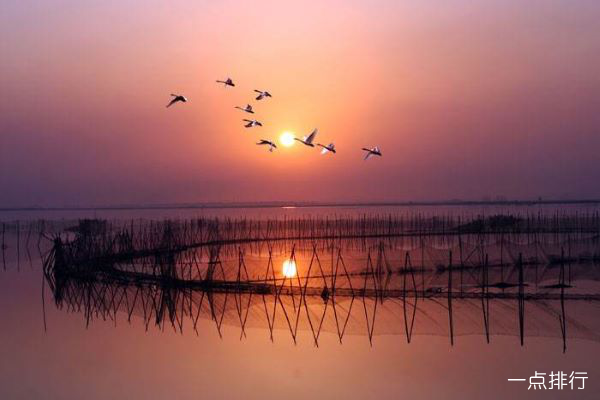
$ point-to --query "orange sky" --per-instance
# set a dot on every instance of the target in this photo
(465, 100)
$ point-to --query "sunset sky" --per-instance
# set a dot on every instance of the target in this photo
(465, 99)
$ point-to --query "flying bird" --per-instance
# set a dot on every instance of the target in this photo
(176, 98)
(262, 94)
(268, 143)
(372, 152)
(308, 140)
(251, 123)
(227, 82)
(326, 149)
(248, 108)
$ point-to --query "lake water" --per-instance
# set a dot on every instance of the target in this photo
(417, 316)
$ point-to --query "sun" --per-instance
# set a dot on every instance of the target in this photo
(289, 268)
(287, 139)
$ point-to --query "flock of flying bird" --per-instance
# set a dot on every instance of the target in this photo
(250, 123)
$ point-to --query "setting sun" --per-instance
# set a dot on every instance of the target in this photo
(287, 139)
(289, 268)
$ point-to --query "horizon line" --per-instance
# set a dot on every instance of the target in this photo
(301, 204)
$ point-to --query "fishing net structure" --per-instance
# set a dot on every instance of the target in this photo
(370, 277)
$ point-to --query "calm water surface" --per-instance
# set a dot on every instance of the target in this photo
(98, 341)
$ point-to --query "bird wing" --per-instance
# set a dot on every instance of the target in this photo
(259, 97)
(246, 120)
(369, 154)
(257, 91)
(311, 137)
(325, 150)
(172, 102)
(262, 141)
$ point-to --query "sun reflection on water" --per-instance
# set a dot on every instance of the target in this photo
(288, 268)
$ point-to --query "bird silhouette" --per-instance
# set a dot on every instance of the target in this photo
(262, 94)
(247, 109)
(227, 82)
(176, 98)
(308, 140)
(372, 152)
(326, 149)
(251, 123)
(267, 143)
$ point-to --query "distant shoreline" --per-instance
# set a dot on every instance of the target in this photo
(282, 204)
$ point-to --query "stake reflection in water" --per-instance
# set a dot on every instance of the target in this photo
(375, 281)
(289, 268)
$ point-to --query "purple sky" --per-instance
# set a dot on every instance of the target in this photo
(465, 100)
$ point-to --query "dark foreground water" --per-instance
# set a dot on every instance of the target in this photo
(404, 322)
